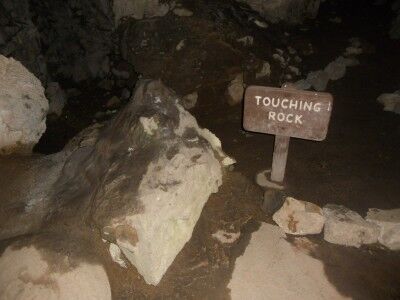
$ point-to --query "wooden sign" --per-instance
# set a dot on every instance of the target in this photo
(287, 112)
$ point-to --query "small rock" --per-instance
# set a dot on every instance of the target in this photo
(279, 58)
(265, 70)
(113, 102)
(390, 102)
(235, 90)
(189, 101)
(226, 237)
(318, 79)
(180, 45)
(125, 94)
(294, 70)
(335, 70)
(353, 51)
(246, 41)
(346, 227)
(299, 217)
(117, 255)
(182, 12)
(57, 98)
(261, 24)
(348, 61)
(389, 226)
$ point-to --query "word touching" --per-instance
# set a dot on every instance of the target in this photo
(287, 112)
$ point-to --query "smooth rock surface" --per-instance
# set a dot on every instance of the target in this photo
(273, 268)
(346, 227)
(299, 217)
(390, 102)
(318, 80)
(23, 108)
(336, 70)
(27, 273)
(389, 226)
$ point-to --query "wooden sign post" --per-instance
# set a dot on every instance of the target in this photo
(286, 113)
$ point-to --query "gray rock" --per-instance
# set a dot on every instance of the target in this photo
(235, 90)
(346, 227)
(390, 102)
(299, 217)
(189, 101)
(23, 108)
(57, 98)
(389, 226)
(336, 70)
(318, 79)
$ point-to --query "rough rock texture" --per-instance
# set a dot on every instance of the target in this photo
(27, 273)
(318, 79)
(142, 181)
(53, 38)
(291, 11)
(57, 98)
(389, 226)
(299, 217)
(390, 101)
(346, 227)
(139, 9)
(235, 90)
(23, 108)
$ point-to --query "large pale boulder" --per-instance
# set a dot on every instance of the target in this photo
(23, 108)
(291, 11)
(389, 226)
(346, 227)
(31, 273)
(299, 217)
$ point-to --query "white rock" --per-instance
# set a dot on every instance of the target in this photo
(57, 98)
(226, 237)
(235, 90)
(23, 108)
(260, 24)
(265, 70)
(389, 225)
(116, 255)
(189, 101)
(182, 12)
(299, 217)
(335, 70)
(346, 227)
(390, 102)
(26, 274)
(150, 125)
(318, 79)
(139, 9)
(180, 45)
(247, 40)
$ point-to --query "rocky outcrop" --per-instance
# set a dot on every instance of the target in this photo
(346, 227)
(56, 38)
(23, 108)
(299, 217)
(290, 11)
(142, 181)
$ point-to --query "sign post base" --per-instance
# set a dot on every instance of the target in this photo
(279, 159)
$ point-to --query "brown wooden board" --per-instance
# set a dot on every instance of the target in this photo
(287, 112)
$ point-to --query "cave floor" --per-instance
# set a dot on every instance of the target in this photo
(356, 166)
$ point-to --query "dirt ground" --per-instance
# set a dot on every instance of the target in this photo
(358, 165)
